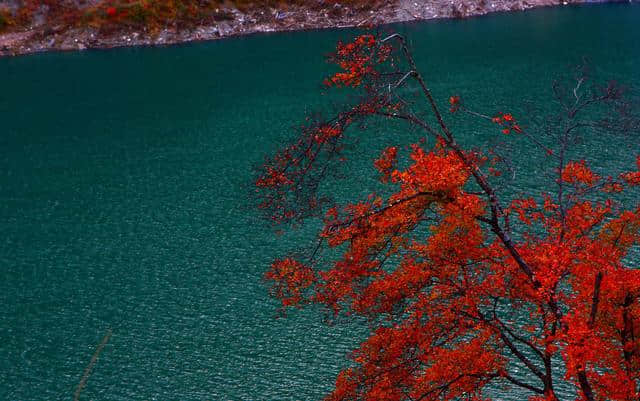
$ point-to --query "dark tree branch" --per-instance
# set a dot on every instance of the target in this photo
(585, 386)
(595, 299)
(522, 384)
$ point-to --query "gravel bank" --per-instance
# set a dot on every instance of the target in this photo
(45, 37)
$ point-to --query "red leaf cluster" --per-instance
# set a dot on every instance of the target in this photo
(633, 178)
(578, 173)
(508, 122)
(358, 60)
(386, 162)
(454, 101)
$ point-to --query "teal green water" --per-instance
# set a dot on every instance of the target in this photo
(123, 199)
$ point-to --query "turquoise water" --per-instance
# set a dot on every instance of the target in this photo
(124, 177)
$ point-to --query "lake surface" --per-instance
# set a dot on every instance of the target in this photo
(124, 177)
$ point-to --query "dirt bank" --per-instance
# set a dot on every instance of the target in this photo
(228, 21)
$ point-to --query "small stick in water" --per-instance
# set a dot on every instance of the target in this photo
(94, 359)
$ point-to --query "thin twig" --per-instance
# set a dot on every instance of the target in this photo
(94, 359)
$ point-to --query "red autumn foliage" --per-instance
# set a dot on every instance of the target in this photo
(110, 15)
(357, 61)
(292, 279)
(508, 122)
(454, 101)
(578, 173)
(633, 177)
(466, 288)
(386, 162)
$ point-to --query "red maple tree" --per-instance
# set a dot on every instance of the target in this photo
(467, 289)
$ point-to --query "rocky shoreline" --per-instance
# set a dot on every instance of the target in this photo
(233, 22)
